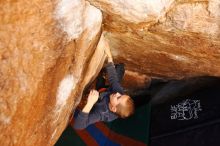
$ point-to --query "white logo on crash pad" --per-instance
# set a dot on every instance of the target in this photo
(186, 110)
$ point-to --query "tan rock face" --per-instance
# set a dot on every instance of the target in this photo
(49, 53)
(164, 38)
(47, 56)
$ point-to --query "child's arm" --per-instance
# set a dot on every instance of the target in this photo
(112, 74)
(92, 99)
(113, 79)
(85, 117)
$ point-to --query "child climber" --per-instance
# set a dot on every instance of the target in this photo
(110, 104)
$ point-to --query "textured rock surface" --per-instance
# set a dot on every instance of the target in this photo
(164, 38)
(46, 59)
(48, 54)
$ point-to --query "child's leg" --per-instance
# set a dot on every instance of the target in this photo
(120, 69)
(100, 82)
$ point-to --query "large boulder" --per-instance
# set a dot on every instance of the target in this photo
(48, 54)
(164, 38)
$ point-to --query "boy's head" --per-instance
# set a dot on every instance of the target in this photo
(121, 104)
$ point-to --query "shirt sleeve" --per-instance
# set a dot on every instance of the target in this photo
(85, 119)
(115, 86)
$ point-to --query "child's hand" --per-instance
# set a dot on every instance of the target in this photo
(93, 97)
